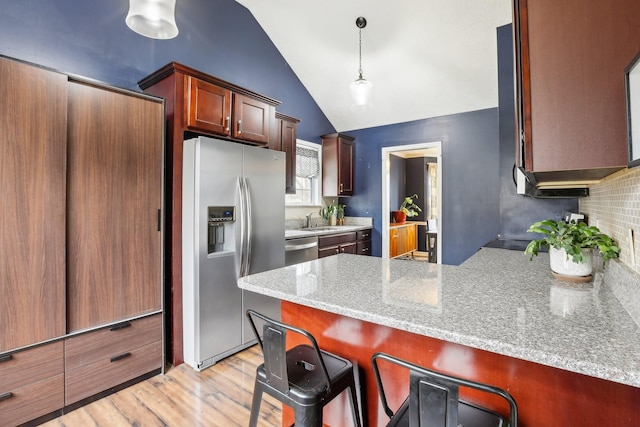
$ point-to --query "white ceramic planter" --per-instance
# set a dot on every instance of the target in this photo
(561, 265)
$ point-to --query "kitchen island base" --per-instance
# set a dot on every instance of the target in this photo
(546, 396)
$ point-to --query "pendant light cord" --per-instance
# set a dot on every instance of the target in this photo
(360, 53)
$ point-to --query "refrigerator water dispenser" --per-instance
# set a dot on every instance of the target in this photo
(219, 218)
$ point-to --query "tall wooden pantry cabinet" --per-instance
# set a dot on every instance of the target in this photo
(81, 231)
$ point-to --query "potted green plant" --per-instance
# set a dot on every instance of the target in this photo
(407, 209)
(571, 246)
(331, 211)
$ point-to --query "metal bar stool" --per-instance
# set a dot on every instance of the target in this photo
(304, 377)
(433, 400)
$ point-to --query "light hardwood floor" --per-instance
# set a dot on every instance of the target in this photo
(218, 396)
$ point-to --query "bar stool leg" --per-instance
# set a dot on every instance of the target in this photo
(308, 416)
(255, 404)
(353, 396)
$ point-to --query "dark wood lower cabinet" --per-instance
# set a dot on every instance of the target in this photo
(363, 242)
(354, 242)
(47, 378)
(335, 244)
(31, 383)
(101, 359)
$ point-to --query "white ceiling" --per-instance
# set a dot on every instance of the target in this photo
(425, 58)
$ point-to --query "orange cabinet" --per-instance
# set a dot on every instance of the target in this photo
(403, 239)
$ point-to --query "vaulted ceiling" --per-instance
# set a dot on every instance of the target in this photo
(425, 58)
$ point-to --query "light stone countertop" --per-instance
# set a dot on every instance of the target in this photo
(497, 301)
(322, 230)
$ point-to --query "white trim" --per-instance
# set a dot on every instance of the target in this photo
(318, 148)
(386, 209)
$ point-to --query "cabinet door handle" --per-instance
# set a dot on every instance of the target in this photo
(239, 127)
(226, 123)
(5, 358)
(6, 396)
(120, 357)
(120, 326)
(341, 185)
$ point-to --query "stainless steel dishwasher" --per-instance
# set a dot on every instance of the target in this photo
(300, 250)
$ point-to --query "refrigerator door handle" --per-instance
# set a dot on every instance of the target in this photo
(249, 227)
(241, 191)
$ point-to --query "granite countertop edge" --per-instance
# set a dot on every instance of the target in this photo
(617, 372)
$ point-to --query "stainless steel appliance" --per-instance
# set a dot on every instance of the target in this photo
(300, 250)
(233, 224)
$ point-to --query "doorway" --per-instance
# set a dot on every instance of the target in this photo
(426, 150)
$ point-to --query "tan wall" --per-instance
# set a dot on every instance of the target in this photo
(614, 206)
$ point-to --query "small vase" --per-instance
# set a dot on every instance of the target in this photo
(332, 220)
(560, 264)
(399, 216)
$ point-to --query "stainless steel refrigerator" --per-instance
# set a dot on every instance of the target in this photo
(233, 225)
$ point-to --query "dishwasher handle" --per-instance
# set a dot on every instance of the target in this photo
(289, 248)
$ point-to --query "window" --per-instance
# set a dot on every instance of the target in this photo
(308, 160)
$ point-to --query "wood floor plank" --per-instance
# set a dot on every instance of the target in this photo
(219, 396)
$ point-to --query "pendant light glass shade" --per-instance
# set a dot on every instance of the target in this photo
(361, 94)
(153, 18)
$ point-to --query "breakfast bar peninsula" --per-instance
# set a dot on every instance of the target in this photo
(569, 353)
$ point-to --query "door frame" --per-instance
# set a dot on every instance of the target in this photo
(386, 184)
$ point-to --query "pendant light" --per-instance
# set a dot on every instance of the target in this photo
(361, 89)
(153, 18)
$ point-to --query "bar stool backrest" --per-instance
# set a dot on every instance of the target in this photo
(273, 342)
(434, 397)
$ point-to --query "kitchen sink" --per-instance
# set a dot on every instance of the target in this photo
(321, 228)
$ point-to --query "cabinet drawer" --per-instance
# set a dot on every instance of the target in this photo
(336, 239)
(111, 371)
(363, 235)
(107, 342)
(29, 366)
(364, 248)
(328, 251)
(348, 248)
(32, 401)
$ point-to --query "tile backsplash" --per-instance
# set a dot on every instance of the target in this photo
(613, 206)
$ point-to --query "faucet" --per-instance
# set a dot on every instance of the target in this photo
(308, 219)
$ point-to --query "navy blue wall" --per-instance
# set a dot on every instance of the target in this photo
(219, 37)
(470, 182)
(517, 212)
(478, 151)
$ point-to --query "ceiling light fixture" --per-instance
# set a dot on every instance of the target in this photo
(153, 18)
(361, 89)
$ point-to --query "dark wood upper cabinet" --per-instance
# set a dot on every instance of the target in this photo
(33, 133)
(208, 107)
(570, 62)
(252, 119)
(286, 141)
(337, 165)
